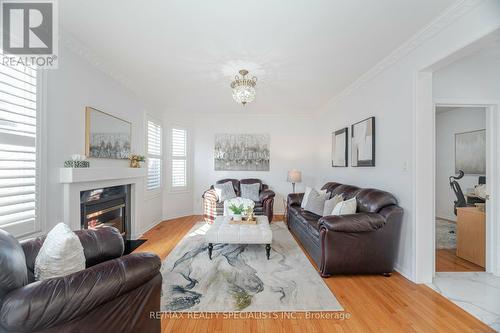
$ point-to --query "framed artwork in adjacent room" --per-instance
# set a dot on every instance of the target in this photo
(363, 143)
(106, 136)
(470, 152)
(339, 148)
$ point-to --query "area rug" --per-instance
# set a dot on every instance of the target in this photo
(240, 278)
(446, 235)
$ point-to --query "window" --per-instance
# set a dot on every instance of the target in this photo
(179, 159)
(154, 156)
(18, 150)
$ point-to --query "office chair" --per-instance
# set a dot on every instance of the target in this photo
(455, 186)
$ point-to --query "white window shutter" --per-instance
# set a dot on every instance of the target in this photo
(154, 155)
(179, 159)
(18, 156)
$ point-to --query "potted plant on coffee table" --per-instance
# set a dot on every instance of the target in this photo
(237, 210)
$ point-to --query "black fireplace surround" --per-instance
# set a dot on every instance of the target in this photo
(108, 206)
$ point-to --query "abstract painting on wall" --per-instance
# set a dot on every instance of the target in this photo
(363, 143)
(241, 152)
(106, 136)
(470, 152)
(339, 148)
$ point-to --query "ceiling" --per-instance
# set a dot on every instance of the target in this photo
(183, 54)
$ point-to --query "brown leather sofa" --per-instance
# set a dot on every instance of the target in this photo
(212, 207)
(114, 294)
(362, 243)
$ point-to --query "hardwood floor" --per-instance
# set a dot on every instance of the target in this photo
(371, 303)
(447, 261)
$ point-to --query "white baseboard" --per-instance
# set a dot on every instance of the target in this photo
(405, 275)
(146, 229)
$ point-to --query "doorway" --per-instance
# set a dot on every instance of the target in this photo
(460, 188)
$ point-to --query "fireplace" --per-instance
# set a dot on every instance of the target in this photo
(109, 206)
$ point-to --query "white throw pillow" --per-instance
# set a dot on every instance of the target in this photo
(250, 191)
(330, 204)
(316, 202)
(345, 207)
(306, 196)
(225, 191)
(61, 254)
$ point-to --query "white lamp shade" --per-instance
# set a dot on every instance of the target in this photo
(294, 176)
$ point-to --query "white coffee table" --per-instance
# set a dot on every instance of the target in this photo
(222, 232)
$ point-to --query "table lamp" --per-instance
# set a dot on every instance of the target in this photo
(294, 176)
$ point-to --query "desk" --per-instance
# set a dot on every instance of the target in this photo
(472, 199)
(471, 235)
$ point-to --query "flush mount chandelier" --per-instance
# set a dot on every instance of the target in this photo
(243, 87)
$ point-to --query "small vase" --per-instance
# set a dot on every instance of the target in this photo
(237, 217)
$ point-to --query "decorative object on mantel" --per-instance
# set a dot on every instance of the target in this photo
(136, 160)
(77, 161)
(363, 143)
(241, 152)
(339, 148)
(294, 176)
(243, 87)
(106, 136)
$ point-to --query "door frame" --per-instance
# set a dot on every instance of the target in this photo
(424, 177)
(492, 163)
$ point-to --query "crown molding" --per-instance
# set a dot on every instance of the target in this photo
(450, 15)
(85, 52)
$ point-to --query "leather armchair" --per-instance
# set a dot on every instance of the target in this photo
(114, 293)
(212, 207)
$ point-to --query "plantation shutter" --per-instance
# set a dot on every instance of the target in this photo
(179, 158)
(154, 156)
(18, 165)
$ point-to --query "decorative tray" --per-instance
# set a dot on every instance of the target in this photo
(243, 221)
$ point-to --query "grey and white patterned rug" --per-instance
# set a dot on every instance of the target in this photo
(446, 234)
(240, 278)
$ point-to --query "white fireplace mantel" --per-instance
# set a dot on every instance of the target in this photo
(78, 175)
(76, 180)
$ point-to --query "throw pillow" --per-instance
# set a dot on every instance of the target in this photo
(61, 254)
(306, 196)
(250, 191)
(316, 202)
(225, 191)
(345, 207)
(330, 204)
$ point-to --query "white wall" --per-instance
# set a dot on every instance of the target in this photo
(474, 77)
(69, 89)
(447, 125)
(389, 95)
(291, 145)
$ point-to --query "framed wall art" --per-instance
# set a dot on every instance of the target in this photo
(339, 148)
(363, 143)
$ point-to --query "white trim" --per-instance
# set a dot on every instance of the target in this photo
(41, 151)
(423, 179)
(425, 229)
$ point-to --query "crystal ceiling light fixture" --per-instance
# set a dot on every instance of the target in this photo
(243, 87)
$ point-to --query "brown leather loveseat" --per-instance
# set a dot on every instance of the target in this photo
(362, 243)
(212, 207)
(114, 293)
